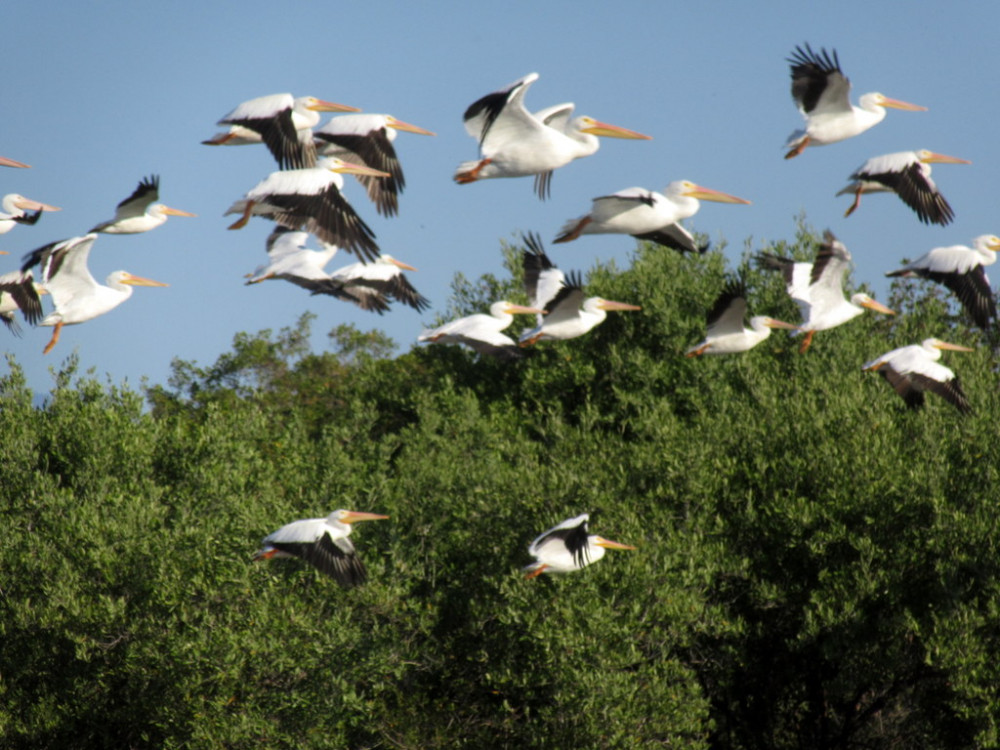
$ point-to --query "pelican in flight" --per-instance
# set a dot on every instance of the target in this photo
(961, 269)
(76, 296)
(818, 288)
(18, 291)
(516, 143)
(5, 162)
(568, 547)
(367, 139)
(311, 199)
(647, 215)
(913, 369)
(908, 175)
(140, 212)
(283, 123)
(323, 543)
(725, 332)
(821, 90)
(369, 284)
(15, 211)
(568, 313)
(481, 332)
(289, 259)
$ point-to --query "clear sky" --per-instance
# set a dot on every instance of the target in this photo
(97, 95)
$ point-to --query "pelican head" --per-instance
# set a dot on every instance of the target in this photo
(386, 258)
(26, 204)
(353, 516)
(691, 190)
(881, 100)
(987, 242)
(929, 157)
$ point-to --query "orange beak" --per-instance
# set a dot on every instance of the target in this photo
(707, 194)
(596, 127)
(320, 105)
(354, 516)
(885, 101)
(400, 125)
(608, 304)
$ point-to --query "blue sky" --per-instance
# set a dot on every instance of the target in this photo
(98, 95)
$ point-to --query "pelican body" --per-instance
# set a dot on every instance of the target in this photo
(961, 269)
(648, 215)
(76, 296)
(482, 332)
(140, 212)
(516, 143)
(821, 92)
(364, 284)
(311, 199)
(289, 259)
(323, 543)
(567, 312)
(908, 175)
(818, 288)
(725, 332)
(568, 547)
(15, 211)
(367, 139)
(283, 123)
(913, 369)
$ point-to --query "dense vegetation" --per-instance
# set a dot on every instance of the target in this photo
(817, 564)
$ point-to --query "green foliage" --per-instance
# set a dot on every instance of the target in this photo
(817, 564)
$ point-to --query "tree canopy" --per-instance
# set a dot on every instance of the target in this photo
(817, 564)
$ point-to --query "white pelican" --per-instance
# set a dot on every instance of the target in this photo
(5, 162)
(568, 547)
(515, 143)
(76, 296)
(818, 288)
(913, 369)
(139, 212)
(291, 260)
(367, 139)
(323, 543)
(961, 269)
(383, 278)
(481, 332)
(18, 291)
(725, 332)
(282, 122)
(647, 215)
(568, 313)
(821, 90)
(311, 199)
(908, 174)
(15, 208)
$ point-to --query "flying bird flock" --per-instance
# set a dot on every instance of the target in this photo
(305, 201)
